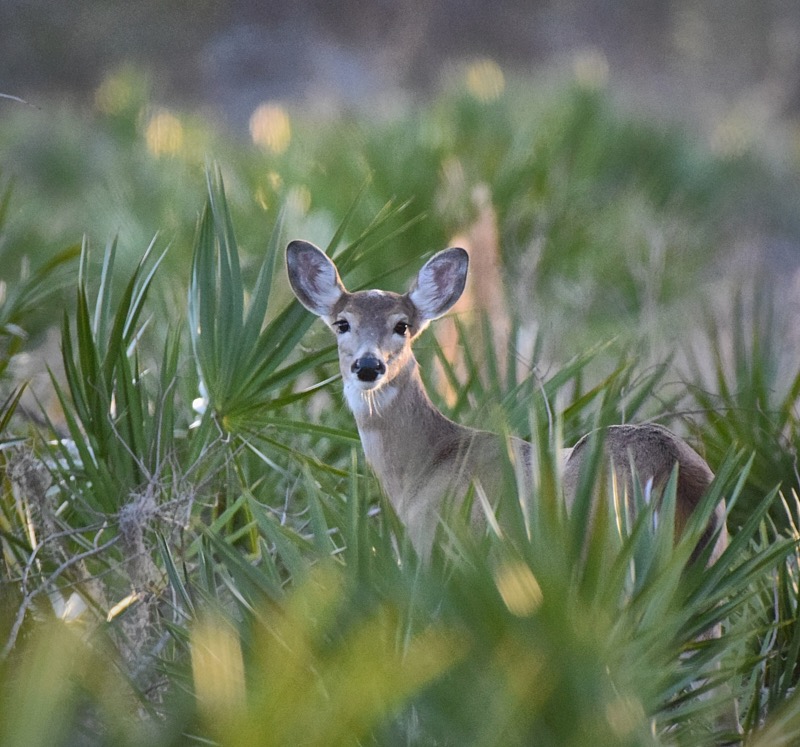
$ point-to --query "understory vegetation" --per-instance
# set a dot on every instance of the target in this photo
(193, 549)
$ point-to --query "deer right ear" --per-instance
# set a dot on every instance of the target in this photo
(313, 277)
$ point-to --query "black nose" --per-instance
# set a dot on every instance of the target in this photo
(368, 368)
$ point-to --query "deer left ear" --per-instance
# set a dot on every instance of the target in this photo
(440, 283)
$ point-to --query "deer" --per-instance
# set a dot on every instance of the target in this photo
(420, 456)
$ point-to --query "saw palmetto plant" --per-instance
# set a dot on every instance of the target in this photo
(194, 550)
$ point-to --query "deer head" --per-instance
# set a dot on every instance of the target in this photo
(374, 328)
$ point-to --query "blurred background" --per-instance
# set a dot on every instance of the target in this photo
(687, 58)
(729, 72)
(631, 154)
(703, 60)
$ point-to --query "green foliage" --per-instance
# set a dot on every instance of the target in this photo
(22, 297)
(119, 431)
(194, 552)
(747, 398)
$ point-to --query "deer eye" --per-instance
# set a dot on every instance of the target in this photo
(401, 328)
(342, 326)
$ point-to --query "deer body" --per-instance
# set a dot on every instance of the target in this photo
(420, 456)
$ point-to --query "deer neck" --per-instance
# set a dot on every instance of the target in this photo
(402, 432)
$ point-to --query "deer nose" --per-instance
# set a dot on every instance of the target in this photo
(368, 368)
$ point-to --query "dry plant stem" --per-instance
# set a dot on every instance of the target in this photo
(44, 586)
(31, 481)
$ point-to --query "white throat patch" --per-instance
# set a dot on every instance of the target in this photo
(368, 403)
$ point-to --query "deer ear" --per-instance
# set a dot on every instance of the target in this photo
(313, 277)
(440, 283)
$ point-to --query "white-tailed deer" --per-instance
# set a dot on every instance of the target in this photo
(420, 456)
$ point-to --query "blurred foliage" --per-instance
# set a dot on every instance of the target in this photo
(747, 394)
(604, 221)
(194, 552)
(25, 291)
